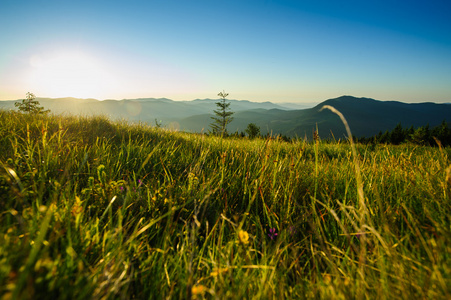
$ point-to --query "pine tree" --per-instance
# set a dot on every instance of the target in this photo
(31, 105)
(223, 115)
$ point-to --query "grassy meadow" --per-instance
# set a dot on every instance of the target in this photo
(94, 209)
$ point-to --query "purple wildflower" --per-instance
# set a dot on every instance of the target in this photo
(121, 188)
(272, 233)
(359, 235)
(139, 182)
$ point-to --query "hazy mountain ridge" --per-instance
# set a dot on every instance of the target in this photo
(365, 116)
(141, 108)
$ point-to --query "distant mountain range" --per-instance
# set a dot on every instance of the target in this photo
(365, 116)
(145, 109)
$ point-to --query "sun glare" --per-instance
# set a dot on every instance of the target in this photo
(73, 74)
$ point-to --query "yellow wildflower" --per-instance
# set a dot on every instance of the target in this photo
(243, 236)
(198, 289)
(217, 271)
(327, 278)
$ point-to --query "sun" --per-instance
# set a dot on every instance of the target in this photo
(69, 74)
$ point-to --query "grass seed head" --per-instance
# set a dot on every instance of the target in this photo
(448, 175)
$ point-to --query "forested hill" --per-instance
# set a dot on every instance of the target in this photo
(368, 117)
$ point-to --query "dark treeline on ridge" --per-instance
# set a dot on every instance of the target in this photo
(423, 135)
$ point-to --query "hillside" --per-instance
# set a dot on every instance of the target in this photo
(95, 209)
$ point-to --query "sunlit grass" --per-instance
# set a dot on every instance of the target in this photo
(96, 209)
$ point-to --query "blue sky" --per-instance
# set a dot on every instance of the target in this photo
(279, 51)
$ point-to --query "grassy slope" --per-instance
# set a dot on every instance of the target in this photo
(92, 209)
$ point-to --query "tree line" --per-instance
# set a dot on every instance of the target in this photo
(424, 135)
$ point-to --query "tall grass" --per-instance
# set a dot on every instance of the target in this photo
(98, 209)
